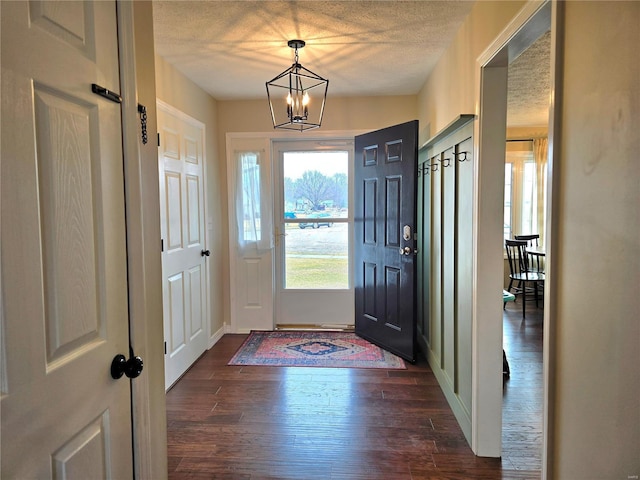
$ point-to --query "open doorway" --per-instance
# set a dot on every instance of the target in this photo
(313, 233)
(490, 140)
(528, 88)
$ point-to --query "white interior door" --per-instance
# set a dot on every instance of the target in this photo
(64, 278)
(182, 221)
(313, 271)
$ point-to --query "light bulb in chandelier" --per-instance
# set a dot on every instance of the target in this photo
(297, 107)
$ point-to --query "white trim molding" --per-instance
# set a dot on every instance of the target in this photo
(144, 269)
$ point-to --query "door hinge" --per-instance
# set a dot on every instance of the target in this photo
(162, 244)
(158, 139)
(165, 348)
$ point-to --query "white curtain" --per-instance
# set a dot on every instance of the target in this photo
(540, 152)
(253, 213)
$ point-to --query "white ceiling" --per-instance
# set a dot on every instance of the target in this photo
(231, 48)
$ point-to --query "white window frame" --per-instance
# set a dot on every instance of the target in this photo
(518, 159)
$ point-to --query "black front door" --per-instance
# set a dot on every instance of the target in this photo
(385, 219)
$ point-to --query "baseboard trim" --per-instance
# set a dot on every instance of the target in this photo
(323, 327)
(213, 339)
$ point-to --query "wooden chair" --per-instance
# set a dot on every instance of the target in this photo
(532, 241)
(520, 272)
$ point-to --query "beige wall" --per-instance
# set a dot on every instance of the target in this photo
(597, 369)
(176, 90)
(526, 132)
(341, 113)
(450, 90)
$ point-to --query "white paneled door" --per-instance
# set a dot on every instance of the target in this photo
(181, 157)
(64, 277)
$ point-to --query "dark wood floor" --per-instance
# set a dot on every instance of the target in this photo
(523, 391)
(229, 422)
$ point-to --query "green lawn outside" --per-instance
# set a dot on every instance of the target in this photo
(317, 273)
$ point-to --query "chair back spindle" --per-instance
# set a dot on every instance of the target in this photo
(532, 241)
(520, 272)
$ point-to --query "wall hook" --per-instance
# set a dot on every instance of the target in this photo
(460, 154)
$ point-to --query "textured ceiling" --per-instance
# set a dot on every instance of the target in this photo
(529, 85)
(231, 48)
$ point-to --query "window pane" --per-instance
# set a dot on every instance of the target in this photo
(317, 258)
(508, 199)
(529, 211)
(250, 170)
(315, 182)
(316, 189)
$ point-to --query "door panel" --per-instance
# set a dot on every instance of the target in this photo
(181, 157)
(64, 278)
(67, 197)
(176, 311)
(385, 173)
(196, 286)
(369, 217)
(194, 210)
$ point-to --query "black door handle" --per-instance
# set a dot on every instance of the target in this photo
(121, 366)
(205, 253)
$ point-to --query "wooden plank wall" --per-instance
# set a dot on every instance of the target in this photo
(445, 239)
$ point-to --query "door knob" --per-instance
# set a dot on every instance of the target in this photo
(121, 366)
(405, 251)
(205, 253)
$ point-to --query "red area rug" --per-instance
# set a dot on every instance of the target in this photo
(313, 349)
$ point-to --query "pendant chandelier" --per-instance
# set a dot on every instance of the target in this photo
(297, 96)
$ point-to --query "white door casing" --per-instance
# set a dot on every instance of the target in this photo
(64, 278)
(182, 219)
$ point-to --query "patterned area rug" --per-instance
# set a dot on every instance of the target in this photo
(313, 349)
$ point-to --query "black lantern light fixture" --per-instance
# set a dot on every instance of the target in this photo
(297, 96)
